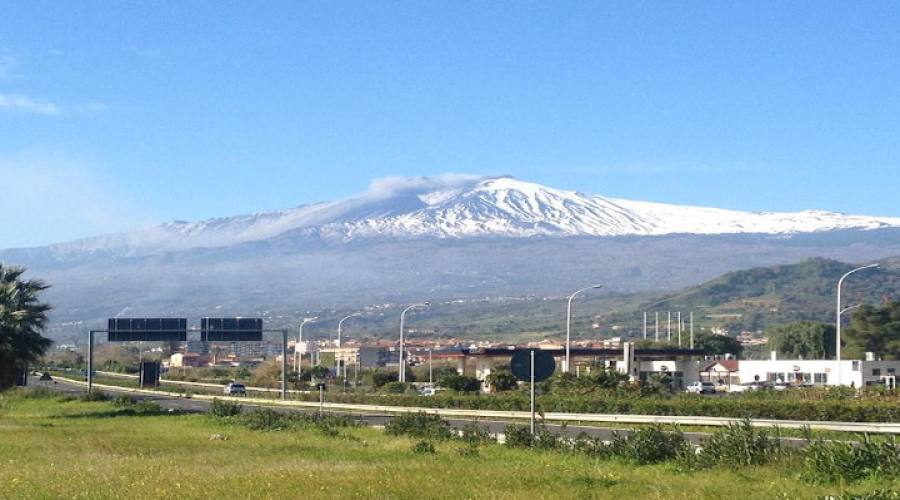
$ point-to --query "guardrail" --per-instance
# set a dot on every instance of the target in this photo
(201, 384)
(870, 427)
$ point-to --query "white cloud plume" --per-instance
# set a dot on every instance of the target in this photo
(18, 102)
(389, 186)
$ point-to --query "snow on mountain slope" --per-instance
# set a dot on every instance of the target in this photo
(463, 206)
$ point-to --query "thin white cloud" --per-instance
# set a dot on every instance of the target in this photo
(25, 104)
(388, 186)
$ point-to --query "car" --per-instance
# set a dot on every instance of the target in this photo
(235, 389)
(701, 388)
(428, 391)
(780, 386)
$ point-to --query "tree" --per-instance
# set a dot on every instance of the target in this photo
(22, 319)
(718, 344)
(874, 329)
(460, 383)
(803, 339)
(501, 380)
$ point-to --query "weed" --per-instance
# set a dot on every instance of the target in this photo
(423, 447)
(223, 409)
(421, 425)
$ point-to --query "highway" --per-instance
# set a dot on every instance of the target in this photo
(494, 426)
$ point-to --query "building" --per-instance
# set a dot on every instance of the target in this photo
(180, 360)
(721, 372)
(851, 372)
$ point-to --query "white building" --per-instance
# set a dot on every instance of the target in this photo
(856, 373)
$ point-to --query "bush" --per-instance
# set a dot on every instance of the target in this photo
(123, 401)
(738, 444)
(264, 419)
(833, 462)
(423, 447)
(518, 436)
(94, 396)
(475, 434)
(650, 445)
(421, 425)
(469, 450)
(460, 383)
(223, 409)
(395, 387)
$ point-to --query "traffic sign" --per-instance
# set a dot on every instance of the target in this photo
(231, 329)
(147, 329)
(520, 364)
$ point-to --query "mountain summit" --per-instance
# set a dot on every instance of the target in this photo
(458, 206)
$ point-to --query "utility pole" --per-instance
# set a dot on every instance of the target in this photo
(692, 329)
(645, 325)
(284, 337)
(680, 324)
(657, 325)
(669, 327)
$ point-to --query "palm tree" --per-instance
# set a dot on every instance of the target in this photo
(22, 318)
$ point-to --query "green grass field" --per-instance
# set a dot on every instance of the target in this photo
(51, 448)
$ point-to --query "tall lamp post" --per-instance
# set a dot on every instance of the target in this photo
(569, 322)
(340, 323)
(838, 312)
(299, 362)
(402, 375)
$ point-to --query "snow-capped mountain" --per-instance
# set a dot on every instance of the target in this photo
(463, 207)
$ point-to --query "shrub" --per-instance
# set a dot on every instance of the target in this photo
(223, 409)
(395, 387)
(832, 462)
(423, 447)
(650, 445)
(123, 401)
(144, 407)
(264, 419)
(460, 383)
(469, 450)
(475, 434)
(738, 444)
(94, 396)
(420, 425)
(518, 436)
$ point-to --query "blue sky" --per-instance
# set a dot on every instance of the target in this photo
(115, 115)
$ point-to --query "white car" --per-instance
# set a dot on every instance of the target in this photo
(428, 391)
(748, 386)
(701, 388)
(235, 389)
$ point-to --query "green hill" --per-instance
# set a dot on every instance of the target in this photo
(757, 298)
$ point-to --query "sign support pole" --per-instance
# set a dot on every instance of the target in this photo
(90, 361)
(532, 393)
(284, 336)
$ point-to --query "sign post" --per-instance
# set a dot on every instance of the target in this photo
(532, 393)
(532, 365)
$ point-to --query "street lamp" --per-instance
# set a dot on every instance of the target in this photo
(297, 345)
(341, 322)
(569, 322)
(402, 375)
(838, 312)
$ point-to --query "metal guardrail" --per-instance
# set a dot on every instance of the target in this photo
(202, 384)
(870, 427)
